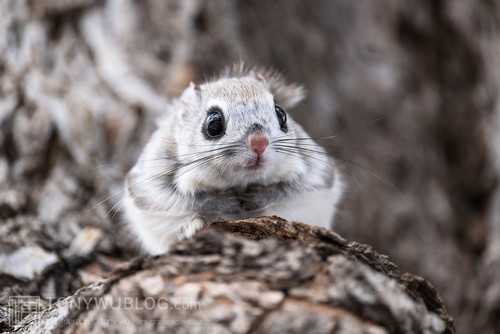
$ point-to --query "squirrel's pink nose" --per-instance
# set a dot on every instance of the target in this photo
(258, 143)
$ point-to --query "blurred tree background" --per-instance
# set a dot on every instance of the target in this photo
(409, 88)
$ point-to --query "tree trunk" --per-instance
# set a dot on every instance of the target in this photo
(409, 88)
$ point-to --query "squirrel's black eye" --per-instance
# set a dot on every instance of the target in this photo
(281, 117)
(214, 125)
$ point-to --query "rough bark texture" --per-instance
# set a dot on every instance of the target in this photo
(409, 87)
(296, 279)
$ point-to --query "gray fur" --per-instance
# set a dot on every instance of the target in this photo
(258, 196)
(225, 202)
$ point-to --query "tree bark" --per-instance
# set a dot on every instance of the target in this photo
(295, 279)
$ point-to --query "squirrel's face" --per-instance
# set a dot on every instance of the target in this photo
(237, 128)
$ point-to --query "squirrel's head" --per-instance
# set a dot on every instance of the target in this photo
(235, 131)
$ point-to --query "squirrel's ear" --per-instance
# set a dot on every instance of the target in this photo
(194, 86)
(287, 95)
(191, 94)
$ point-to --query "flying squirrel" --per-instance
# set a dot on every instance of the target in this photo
(227, 149)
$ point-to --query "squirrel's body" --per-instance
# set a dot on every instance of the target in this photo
(225, 149)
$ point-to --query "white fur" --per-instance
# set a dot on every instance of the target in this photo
(158, 230)
(314, 207)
